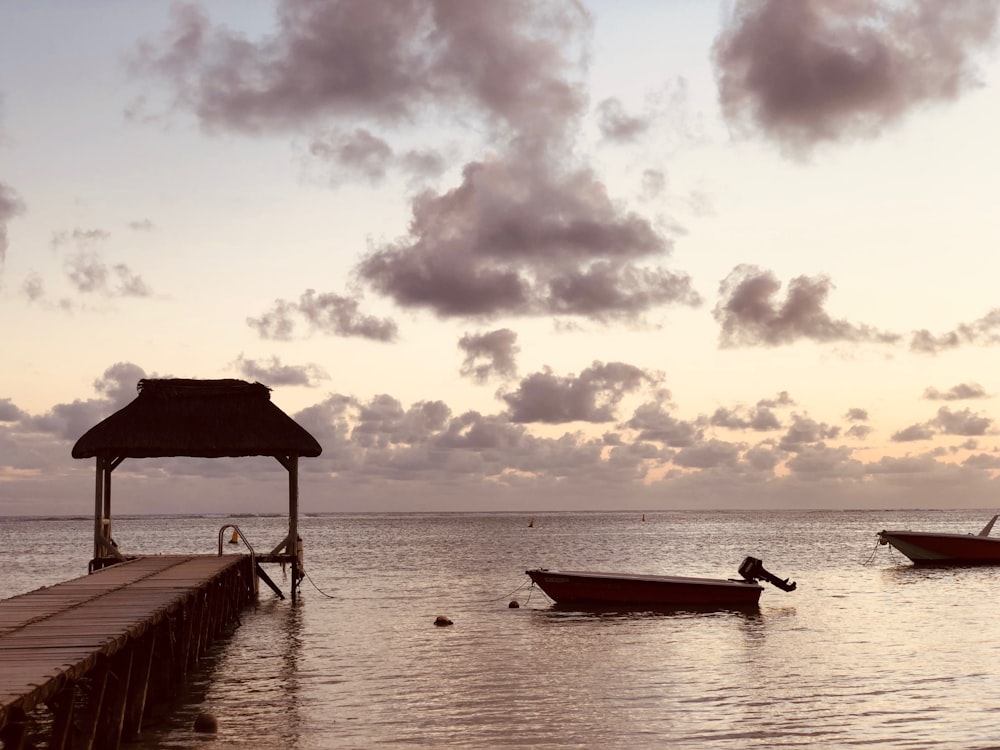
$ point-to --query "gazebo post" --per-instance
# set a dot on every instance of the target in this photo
(293, 518)
(98, 507)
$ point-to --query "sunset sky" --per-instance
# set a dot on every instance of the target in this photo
(526, 255)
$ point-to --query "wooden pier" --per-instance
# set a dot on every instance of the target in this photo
(83, 662)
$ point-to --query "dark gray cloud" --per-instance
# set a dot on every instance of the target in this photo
(593, 396)
(526, 232)
(823, 462)
(962, 422)
(859, 431)
(329, 313)
(982, 332)
(711, 454)
(87, 271)
(9, 412)
(914, 432)
(514, 239)
(805, 431)
(489, 354)
(857, 415)
(616, 124)
(960, 392)
(89, 274)
(117, 387)
(654, 423)
(946, 422)
(273, 373)
(373, 58)
(760, 419)
(11, 205)
(749, 316)
(815, 71)
(360, 153)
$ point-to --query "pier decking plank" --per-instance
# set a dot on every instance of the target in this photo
(56, 634)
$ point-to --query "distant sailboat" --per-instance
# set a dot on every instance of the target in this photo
(643, 516)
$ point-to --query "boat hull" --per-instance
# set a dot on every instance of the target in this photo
(609, 590)
(928, 548)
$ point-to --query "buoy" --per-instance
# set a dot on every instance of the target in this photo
(442, 621)
(513, 605)
(235, 538)
(207, 723)
(531, 523)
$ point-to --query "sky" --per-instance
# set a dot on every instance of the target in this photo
(522, 255)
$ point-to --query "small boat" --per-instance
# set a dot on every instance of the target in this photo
(609, 590)
(932, 548)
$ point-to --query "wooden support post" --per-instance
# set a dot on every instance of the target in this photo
(99, 510)
(116, 699)
(14, 733)
(142, 668)
(61, 706)
(95, 701)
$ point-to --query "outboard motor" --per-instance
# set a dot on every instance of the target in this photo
(752, 569)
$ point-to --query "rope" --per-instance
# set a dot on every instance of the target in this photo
(309, 578)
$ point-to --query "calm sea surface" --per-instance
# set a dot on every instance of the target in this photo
(867, 652)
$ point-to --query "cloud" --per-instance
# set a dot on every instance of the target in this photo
(273, 373)
(914, 432)
(516, 240)
(962, 422)
(616, 125)
(759, 419)
(117, 387)
(362, 154)
(89, 274)
(982, 332)
(329, 313)
(822, 462)
(805, 431)
(87, 271)
(960, 392)
(376, 59)
(141, 225)
(709, 455)
(9, 412)
(11, 205)
(488, 354)
(822, 71)
(652, 422)
(590, 397)
(748, 315)
(947, 422)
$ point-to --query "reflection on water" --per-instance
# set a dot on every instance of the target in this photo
(863, 653)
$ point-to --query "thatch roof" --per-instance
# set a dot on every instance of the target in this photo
(199, 418)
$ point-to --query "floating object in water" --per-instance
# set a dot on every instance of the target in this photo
(207, 723)
(643, 516)
(610, 590)
(514, 604)
(235, 538)
(442, 621)
(931, 548)
(531, 523)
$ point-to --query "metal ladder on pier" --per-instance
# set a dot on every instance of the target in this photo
(238, 536)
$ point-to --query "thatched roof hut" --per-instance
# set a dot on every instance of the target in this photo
(197, 418)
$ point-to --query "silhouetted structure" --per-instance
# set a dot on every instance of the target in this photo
(200, 419)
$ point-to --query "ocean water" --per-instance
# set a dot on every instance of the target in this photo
(868, 651)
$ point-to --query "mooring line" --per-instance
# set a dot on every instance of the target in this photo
(309, 578)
